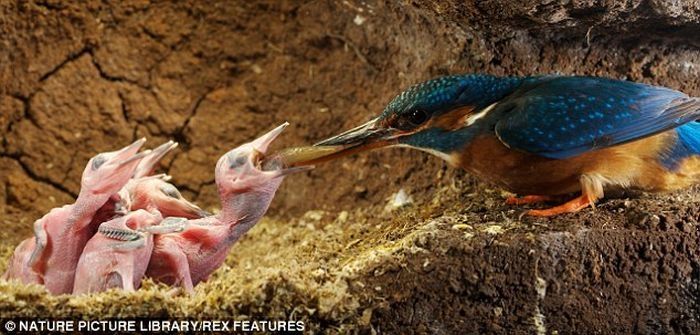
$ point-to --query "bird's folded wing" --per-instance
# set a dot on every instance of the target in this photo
(561, 117)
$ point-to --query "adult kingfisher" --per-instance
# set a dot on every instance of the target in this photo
(542, 136)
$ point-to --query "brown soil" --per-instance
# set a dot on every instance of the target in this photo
(81, 79)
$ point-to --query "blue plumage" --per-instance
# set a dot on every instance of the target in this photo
(687, 144)
(561, 117)
(552, 116)
(443, 94)
(544, 136)
(689, 135)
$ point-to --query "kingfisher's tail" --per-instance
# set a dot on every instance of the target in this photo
(689, 136)
(687, 145)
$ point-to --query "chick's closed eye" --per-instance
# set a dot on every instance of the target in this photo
(171, 191)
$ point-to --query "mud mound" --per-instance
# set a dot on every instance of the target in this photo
(78, 79)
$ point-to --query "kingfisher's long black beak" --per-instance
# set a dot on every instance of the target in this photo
(367, 133)
(368, 136)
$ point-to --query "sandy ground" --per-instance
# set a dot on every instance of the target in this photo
(81, 79)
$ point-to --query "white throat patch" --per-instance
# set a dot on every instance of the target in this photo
(453, 160)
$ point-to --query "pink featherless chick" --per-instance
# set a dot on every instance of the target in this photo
(120, 202)
(154, 193)
(246, 190)
(61, 235)
(17, 266)
(150, 192)
(105, 264)
(117, 256)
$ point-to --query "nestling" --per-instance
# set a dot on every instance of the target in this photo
(246, 190)
(117, 256)
(51, 256)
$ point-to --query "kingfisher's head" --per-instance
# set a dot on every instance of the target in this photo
(438, 116)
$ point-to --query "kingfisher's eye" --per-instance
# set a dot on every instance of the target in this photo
(412, 119)
(417, 117)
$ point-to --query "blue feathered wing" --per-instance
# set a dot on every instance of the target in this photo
(561, 117)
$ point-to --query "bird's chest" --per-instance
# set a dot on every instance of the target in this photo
(489, 160)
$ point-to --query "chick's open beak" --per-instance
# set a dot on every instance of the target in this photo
(263, 142)
(129, 153)
(158, 153)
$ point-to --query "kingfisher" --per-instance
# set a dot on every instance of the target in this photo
(541, 137)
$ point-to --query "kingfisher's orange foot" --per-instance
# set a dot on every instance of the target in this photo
(528, 199)
(572, 206)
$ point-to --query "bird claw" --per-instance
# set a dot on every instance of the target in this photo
(129, 239)
(572, 206)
